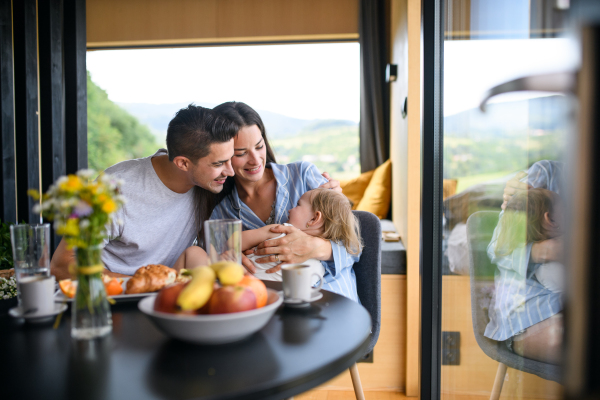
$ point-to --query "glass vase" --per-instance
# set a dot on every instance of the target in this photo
(90, 310)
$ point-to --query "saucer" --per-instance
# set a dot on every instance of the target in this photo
(17, 312)
(302, 303)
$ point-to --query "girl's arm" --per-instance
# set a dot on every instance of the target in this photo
(254, 237)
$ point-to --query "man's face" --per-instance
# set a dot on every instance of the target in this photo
(211, 171)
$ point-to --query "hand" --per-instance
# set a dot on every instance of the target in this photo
(332, 184)
(513, 186)
(295, 247)
(548, 250)
(247, 263)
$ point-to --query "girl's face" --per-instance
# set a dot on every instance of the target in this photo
(250, 154)
(554, 222)
(303, 213)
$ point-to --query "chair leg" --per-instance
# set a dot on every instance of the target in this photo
(500, 374)
(358, 390)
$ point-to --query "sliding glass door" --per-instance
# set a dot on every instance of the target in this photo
(499, 237)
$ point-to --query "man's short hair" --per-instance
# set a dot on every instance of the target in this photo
(194, 129)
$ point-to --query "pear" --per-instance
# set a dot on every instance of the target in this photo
(228, 272)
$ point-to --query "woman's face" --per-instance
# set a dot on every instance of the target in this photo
(250, 154)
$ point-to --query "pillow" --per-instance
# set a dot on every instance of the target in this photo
(378, 194)
(354, 189)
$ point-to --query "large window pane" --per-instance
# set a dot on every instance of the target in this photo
(502, 283)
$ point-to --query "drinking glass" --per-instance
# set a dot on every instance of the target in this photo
(31, 251)
(223, 240)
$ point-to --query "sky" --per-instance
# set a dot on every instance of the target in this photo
(307, 81)
(471, 67)
(312, 81)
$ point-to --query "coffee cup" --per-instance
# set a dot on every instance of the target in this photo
(297, 282)
(37, 294)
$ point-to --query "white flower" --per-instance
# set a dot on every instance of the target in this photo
(120, 222)
(60, 181)
(84, 223)
(86, 173)
(37, 209)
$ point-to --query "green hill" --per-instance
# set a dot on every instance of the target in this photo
(332, 148)
(113, 134)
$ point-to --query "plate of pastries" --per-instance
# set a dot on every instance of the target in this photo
(147, 280)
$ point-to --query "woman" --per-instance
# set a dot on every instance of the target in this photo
(524, 313)
(262, 192)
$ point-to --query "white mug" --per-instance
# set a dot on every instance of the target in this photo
(297, 281)
(37, 294)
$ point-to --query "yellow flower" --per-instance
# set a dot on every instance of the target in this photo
(72, 184)
(109, 206)
(71, 228)
(34, 194)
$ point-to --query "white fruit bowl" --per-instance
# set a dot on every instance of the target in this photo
(215, 328)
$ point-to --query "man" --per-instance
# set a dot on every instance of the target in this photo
(167, 195)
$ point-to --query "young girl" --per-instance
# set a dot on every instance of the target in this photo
(532, 216)
(320, 212)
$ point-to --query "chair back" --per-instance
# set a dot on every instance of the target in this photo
(480, 229)
(368, 271)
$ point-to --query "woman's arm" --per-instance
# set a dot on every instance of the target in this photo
(295, 247)
(254, 237)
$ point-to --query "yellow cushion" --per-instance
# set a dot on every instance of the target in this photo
(378, 194)
(449, 188)
(354, 189)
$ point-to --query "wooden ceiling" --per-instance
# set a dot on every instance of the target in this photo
(142, 23)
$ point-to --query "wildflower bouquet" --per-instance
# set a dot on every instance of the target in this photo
(81, 208)
(8, 288)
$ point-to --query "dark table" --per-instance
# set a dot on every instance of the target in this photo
(296, 351)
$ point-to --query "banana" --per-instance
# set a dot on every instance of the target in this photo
(229, 272)
(197, 293)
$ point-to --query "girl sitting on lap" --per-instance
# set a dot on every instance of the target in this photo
(322, 213)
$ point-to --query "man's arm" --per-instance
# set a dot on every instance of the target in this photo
(63, 258)
(331, 184)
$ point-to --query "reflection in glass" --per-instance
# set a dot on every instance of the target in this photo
(503, 275)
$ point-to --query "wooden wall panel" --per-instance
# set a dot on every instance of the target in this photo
(413, 301)
(387, 372)
(117, 23)
(8, 188)
(476, 372)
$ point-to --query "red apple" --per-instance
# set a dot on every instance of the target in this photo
(166, 299)
(230, 299)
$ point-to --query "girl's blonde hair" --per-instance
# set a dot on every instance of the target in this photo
(522, 220)
(339, 224)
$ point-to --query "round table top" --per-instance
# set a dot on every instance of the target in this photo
(297, 350)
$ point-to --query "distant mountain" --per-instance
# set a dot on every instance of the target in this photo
(278, 126)
(506, 120)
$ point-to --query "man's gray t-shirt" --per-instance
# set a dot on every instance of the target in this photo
(158, 224)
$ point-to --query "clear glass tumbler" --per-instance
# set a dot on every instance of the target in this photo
(31, 251)
(223, 240)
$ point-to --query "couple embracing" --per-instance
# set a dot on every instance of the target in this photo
(218, 164)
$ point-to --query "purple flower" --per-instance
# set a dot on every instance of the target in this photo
(82, 209)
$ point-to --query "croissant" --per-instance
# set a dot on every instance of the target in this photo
(150, 278)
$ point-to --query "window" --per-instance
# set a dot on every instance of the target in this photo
(306, 94)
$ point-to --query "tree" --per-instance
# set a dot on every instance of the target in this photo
(114, 135)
